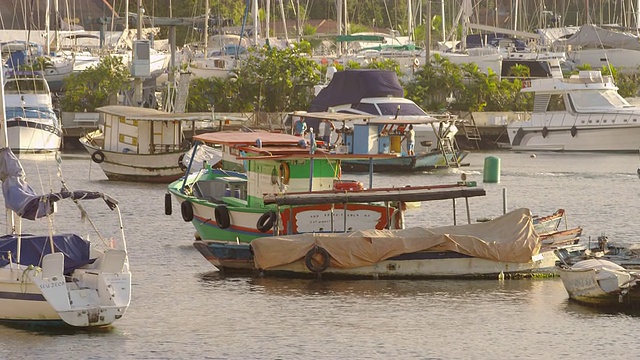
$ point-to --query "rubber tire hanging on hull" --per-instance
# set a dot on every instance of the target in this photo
(309, 260)
(223, 219)
(545, 132)
(167, 204)
(182, 166)
(186, 209)
(266, 221)
(97, 157)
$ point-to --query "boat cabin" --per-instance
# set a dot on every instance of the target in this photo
(144, 131)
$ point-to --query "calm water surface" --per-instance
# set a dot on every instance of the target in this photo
(183, 309)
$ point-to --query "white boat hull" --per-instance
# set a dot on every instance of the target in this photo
(601, 283)
(433, 267)
(33, 136)
(94, 297)
(560, 138)
(158, 168)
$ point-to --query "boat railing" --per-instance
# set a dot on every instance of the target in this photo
(162, 148)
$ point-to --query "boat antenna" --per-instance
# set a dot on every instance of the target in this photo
(397, 112)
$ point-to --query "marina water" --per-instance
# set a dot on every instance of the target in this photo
(182, 308)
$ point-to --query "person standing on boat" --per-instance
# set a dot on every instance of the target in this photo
(300, 127)
(328, 129)
(411, 141)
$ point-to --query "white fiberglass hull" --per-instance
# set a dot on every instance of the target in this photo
(29, 135)
(568, 138)
(92, 298)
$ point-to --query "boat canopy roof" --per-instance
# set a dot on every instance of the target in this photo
(333, 116)
(407, 194)
(247, 138)
(146, 114)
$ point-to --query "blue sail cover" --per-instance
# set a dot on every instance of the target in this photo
(34, 248)
(349, 86)
(23, 200)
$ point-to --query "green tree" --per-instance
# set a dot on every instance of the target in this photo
(268, 80)
(92, 88)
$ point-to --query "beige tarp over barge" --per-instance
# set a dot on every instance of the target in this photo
(509, 238)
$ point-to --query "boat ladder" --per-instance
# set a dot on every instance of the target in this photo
(471, 131)
(182, 92)
(449, 150)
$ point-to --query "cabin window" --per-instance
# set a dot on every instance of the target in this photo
(367, 108)
(556, 103)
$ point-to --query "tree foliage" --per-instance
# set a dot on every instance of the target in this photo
(92, 88)
(443, 85)
(268, 80)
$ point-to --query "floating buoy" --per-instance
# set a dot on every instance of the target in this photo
(491, 169)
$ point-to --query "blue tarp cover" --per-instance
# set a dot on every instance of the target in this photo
(349, 86)
(35, 247)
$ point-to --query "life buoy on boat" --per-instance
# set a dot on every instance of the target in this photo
(97, 157)
(314, 264)
(182, 166)
(285, 173)
(416, 62)
(186, 209)
(545, 132)
(574, 131)
(221, 214)
(347, 185)
(167, 204)
(266, 221)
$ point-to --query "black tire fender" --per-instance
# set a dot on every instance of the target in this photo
(186, 209)
(167, 204)
(97, 157)
(182, 166)
(312, 263)
(266, 221)
(221, 214)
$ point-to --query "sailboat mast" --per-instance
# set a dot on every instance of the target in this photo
(284, 21)
(255, 22)
(267, 19)
(4, 143)
(47, 25)
(206, 28)
(56, 24)
(410, 20)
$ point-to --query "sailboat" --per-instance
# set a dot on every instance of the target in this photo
(57, 278)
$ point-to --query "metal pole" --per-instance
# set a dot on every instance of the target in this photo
(504, 201)
(455, 220)
(427, 44)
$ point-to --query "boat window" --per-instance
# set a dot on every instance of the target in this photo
(25, 86)
(556, 103)
(598, 99)
(406, 109)
(367, 108)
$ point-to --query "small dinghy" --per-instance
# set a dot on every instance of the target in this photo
(601, 283)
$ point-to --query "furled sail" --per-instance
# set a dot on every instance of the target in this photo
(23, 200)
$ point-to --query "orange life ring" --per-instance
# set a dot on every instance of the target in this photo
(285, 173)
(347, 185)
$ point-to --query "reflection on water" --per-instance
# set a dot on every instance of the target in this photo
(182, 309)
